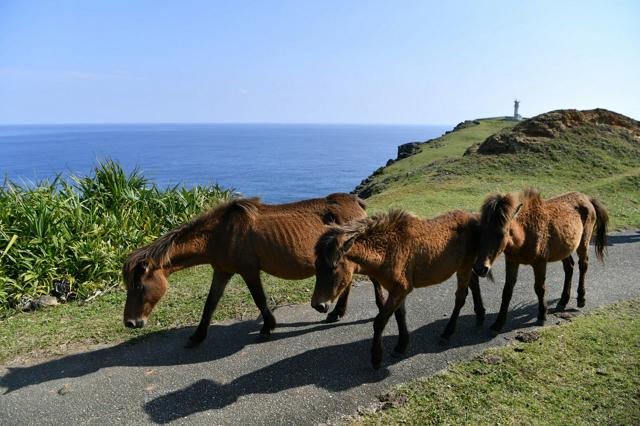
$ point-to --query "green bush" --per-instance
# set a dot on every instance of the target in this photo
(81, 228)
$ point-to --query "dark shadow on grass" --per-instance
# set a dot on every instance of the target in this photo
(163, 348)
(334, 368)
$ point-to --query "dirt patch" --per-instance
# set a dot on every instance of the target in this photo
(565, 315)
(489, 358)
(391, 400)
(527, 336)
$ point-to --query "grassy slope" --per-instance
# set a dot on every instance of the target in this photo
(439, 178)
(583, 372)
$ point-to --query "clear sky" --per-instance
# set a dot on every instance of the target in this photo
(313, 62)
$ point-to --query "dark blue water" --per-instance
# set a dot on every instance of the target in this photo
(276, 162)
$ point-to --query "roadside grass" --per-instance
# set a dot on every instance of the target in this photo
(586, 371)
(76, 325)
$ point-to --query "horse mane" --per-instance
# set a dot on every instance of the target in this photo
(378, 223)
(158, 253)
(500, 209)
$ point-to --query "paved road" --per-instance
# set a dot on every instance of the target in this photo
(308, 373)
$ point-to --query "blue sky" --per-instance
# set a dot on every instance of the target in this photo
(313, 62)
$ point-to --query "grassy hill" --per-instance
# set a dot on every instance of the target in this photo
(596, 152)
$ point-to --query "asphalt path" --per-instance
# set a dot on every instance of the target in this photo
(309, 372)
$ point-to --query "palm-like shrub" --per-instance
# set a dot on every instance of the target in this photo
(80, 229)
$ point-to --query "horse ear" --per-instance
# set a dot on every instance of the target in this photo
(517, 212)
(329, 219)
(142, 267)
(348, 244)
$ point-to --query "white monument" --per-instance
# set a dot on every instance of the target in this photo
(516, 104)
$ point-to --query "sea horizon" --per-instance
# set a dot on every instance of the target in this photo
(276, 161)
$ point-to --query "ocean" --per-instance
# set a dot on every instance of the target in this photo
(277, 162)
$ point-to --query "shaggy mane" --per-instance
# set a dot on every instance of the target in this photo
(499, 209)
(158, 252)
(379, 223)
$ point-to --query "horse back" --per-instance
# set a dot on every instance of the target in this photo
(555, 227)
(444, 245)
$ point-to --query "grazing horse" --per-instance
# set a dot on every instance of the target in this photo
(400, 251)
(532, 231)
(243, 237)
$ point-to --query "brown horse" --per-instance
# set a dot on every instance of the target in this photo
(400, 251)
(242, 236)
(532, 231)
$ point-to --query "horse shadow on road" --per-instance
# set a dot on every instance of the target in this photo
(162, 348)
(335, 368)
(626, 238)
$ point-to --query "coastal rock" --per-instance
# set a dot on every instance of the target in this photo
(465, 124)
(408, 149)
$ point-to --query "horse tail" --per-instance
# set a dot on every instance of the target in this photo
(602, 221)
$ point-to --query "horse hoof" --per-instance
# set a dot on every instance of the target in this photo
(494, 331)
(264, 335)
(540, 321)
(581, 303)
(561, 307)
(331, 318)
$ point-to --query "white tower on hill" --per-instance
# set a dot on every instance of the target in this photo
(516, 104)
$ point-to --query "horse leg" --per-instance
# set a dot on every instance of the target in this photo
(567, 265)
(252, 279)
(583, 265)
(540, 274)
(478, 306)
(391, 305)
(379, 294)
(403, 332)
(461, 297)
(507, 292)
(218, 284)
(341, 306)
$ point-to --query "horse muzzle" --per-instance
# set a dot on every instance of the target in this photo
(134, 323)
(320, 307)
(481, 271)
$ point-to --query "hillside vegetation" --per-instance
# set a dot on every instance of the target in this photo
(596, 152)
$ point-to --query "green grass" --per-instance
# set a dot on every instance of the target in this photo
(451, 145)
(440, 178)
(583, 372)
(75, 325)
